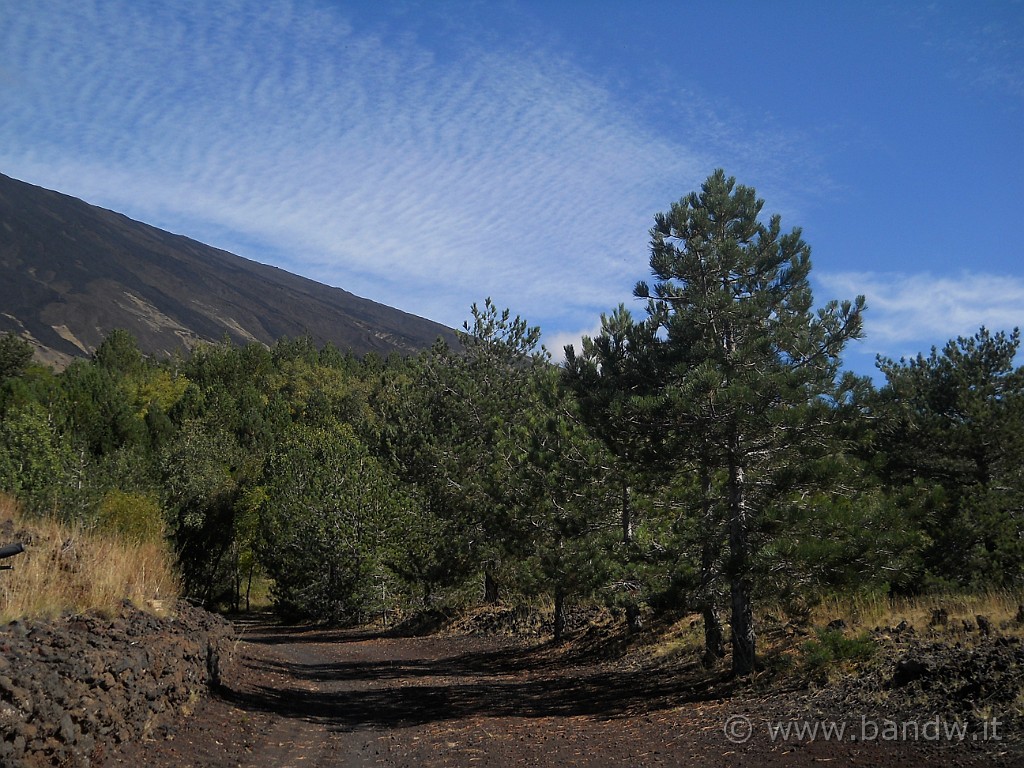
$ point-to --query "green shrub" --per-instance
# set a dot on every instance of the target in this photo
(134, 516)
(833, 648)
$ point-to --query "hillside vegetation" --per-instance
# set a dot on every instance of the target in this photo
(710, 457)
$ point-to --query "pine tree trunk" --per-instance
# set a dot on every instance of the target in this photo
(559, 614)
(744, 641)
(627, 515)
(743, 637)
(490, 588)
(633, 620)
(236, 598)
(248, 588)
(714, 637)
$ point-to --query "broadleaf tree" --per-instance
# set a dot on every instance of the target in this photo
(330, 512)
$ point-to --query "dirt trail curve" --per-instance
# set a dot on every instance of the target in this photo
(340, 699)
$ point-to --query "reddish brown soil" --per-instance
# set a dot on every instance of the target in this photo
(300, 697)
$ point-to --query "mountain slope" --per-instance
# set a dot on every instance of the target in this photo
(71, 272)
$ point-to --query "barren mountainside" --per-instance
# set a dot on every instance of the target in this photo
(71, 272)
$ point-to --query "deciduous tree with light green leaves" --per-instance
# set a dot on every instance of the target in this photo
(32, 456)
(331, 513)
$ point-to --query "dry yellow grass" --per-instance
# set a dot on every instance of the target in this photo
(71, 570)
(684, 638)
(1003, 609)
(867, 612)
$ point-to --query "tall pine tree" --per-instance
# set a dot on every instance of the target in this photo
(747, 367)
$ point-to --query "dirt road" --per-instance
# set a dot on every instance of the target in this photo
(335, 699)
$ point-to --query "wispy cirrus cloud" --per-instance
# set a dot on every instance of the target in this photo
(983, 51)
(289, 134)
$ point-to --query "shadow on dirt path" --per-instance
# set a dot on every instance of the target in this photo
(341, 699)
(379, 682)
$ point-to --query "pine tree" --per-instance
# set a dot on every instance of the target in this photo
(330, 512)
(746, 366)
(609, 376)
(954, 422)
(562, 493)
(450, 424)
(15, 355)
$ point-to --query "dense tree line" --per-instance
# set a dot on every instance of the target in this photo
(701, 457)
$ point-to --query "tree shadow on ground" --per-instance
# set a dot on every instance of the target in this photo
(403, 683)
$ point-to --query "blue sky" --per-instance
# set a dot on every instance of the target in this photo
(430, 154)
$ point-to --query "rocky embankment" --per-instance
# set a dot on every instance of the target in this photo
(976, 681)
(73, 687)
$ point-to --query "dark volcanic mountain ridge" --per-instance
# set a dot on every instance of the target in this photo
(71, 272)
